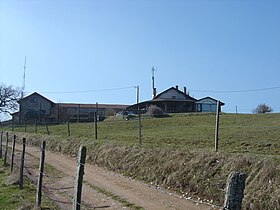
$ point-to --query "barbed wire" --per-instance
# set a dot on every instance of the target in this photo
(189, 127)
(58, 188)
(48, 177)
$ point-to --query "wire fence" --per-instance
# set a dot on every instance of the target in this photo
(194, 130)
(57, 192)
(62, 194)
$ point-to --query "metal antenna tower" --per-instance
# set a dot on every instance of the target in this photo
(23, 79)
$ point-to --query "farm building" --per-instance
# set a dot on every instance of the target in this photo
(37, 107)
(174, 100)
(207, 104)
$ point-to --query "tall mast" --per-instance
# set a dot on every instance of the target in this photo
(23, 79)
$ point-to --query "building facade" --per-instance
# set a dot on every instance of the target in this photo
(39, 108)
(174, 100)
(207, 104)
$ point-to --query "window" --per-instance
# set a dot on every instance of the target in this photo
(35, 100)
(174, 97)
(173, 108)
(199, 107)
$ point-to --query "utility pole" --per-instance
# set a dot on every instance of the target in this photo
(97, 115)
(137, 97)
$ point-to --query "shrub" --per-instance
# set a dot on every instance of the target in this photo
(154, 111)
(262, 108)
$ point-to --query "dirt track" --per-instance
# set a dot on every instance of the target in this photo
(127, 189)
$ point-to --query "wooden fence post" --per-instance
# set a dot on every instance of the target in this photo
(13, 153)
(217, 126)
(68, 127)
(234, 191)
(6, 149)
(139, 118)
(47, 129)
(79, 178)
(97, 115)
(139, 127)
(41, 173)
(95, 124)
(25, 126)
(22, 164)
(35, 126)
(1, 140)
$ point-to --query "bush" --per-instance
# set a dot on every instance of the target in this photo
(154, 111)
(262, 108)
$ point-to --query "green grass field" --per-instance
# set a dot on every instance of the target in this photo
(238, 133)
(178, 152)
(11, 197)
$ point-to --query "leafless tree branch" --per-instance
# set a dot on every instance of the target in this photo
(262, 108)
(8, 98)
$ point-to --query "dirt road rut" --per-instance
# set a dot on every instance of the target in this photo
(132, 191)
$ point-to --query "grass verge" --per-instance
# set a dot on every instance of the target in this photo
(11, 197)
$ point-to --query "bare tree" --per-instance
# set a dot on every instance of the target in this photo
(8, 98)
(262, 108)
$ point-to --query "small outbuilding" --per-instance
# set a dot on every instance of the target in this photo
(207, 104)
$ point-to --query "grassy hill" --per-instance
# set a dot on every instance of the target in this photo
(238, 133)
(178, 152)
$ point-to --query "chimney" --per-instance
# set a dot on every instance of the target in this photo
(153, 83)
(154, 92)
(185, 90)
(177, 87)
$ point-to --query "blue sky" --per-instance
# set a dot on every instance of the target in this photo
(91, 45)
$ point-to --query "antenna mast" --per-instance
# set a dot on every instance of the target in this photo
(23, 80)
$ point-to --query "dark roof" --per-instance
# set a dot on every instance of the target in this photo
(92, 106)
(221, 103)
(15, 113)
(179, 91)
(157, 99)
(35, 93)
(101, 106)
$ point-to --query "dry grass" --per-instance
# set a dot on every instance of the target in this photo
(200, 174)
(177, 153)
(12, 179)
